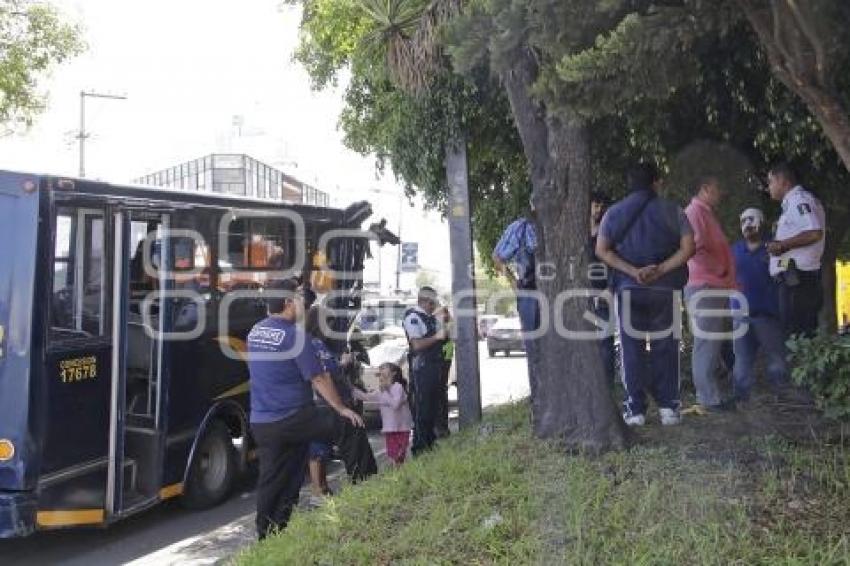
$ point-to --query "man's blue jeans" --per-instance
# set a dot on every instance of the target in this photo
(529, 312)
(764, 332)
(528, 308)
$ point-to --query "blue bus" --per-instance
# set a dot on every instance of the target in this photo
(123, 314)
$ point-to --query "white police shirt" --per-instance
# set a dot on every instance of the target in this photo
(414, 323)
(801, 212)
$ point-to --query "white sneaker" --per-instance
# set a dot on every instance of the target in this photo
(669, 417)
(634, 420)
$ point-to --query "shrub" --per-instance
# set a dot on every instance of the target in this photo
(822, 364)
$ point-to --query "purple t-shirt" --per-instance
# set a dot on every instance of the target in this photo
(282, 361)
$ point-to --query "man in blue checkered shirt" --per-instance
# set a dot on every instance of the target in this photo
(514, 258)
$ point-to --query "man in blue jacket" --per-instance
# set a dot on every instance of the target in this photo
(647, 240)
(764, 325)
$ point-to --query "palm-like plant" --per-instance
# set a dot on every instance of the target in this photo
(409, 32)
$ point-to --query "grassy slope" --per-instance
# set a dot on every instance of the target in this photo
(495, 495)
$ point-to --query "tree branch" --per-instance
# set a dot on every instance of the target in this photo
(822, 102)
(778, 39)
(809, 31)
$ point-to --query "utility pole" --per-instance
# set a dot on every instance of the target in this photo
(398, 251)
(463, 285)
(83, 133)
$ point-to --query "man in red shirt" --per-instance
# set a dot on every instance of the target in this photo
(712, 268)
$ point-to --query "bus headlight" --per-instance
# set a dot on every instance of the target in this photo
(7, 450)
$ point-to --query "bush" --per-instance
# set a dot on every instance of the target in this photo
(822, 364)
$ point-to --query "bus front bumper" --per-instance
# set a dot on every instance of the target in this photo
(17, 514)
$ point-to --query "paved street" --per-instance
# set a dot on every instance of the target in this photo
(169, 534)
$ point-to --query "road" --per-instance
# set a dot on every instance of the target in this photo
(169, 534)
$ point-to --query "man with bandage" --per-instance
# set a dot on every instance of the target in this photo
(764, 327)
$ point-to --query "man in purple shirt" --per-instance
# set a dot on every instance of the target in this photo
(284, 371)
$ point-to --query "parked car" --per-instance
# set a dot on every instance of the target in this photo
(485, 323)
(377, 322)
(505, 336)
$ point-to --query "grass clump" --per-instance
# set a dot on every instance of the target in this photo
(468, 501)
(496, 495)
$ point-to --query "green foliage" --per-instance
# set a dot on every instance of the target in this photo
(822, 364)
(437, 509)
(681, 85)
(332, 32)
(426, 279)
(33, 40)
(409, 132)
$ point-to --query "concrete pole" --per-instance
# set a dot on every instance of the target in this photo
(463, 285)
(82, 134)
(398, 251)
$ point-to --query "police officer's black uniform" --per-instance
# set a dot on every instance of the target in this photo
(425, 374)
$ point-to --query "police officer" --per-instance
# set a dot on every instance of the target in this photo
(647, 240)
(796, 251)
(426, 339)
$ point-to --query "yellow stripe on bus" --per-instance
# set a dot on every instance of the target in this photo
(234, 391)
(69, 517)
(170, 491)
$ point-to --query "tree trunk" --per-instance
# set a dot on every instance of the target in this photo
(571, 400)
(799, 59)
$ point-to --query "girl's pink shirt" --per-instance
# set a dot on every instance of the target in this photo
(395, 412)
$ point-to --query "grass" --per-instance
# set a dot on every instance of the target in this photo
(495, 495)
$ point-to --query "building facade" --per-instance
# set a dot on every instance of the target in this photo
(236, 174)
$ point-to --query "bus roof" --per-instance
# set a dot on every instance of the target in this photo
(352, 215)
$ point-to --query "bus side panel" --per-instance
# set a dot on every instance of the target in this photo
(19, 203)
(200, 375)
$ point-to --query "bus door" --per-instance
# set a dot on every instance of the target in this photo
(140, 317)
(78, 356)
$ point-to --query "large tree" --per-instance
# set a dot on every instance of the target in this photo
(585, 87)
(33, 40)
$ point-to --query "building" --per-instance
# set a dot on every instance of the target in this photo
(236, 174)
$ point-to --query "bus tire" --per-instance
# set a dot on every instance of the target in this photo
(213, 470)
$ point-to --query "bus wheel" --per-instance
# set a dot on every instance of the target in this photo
(213, 468)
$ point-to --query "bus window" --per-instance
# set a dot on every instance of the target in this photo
(255, 245)
(141, 282)
(78, 302)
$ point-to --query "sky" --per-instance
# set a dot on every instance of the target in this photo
(188, 68)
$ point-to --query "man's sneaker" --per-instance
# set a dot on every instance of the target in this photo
(634, 420)
(669, 417)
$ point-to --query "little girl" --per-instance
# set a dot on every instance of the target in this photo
(396, 420)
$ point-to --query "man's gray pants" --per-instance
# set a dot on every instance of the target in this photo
(706, 352)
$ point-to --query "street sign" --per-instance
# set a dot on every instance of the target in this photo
(409, 256)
